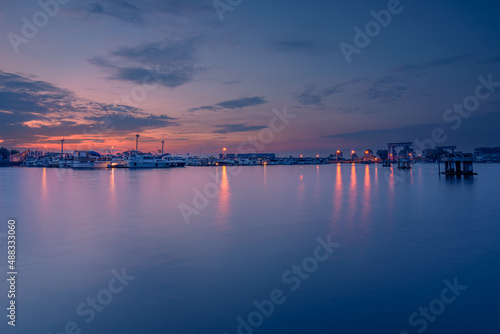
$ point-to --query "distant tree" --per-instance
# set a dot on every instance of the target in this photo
(4, 153)
(433, 154)
(438, 153)
(13, 152)
(428, 152)
(383, 154)
(406, 152)
(487, 150)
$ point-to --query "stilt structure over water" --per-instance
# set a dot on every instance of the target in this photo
(393, 146)
(458, 164)
(404, 163)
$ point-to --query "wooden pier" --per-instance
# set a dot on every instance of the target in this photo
(404, 163)
(458, 164)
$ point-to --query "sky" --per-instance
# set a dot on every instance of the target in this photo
(204, 74)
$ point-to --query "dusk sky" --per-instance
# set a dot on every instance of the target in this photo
(213, 78)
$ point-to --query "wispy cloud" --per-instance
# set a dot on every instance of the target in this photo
(298, 46)
(424, 66)
(494, 60)
(171, 63)
(121, 10)
(241, 127)
(143, 12)
(482, 127)
(240, 103)
(394, 85)
(30, 109)
(315, 96)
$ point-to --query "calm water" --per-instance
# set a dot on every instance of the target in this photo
(401, 235)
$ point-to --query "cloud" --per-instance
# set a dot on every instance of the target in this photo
(125, 123)
(232, 82)
(394, 85)
(144, 12)
(424, 66)
(482, 127)
(297, 46)
(315, 96)
(241, 127)
(386, 94)
(121, 10)
(240, 103)
(30, 109)
(170, 63)
(494, 60)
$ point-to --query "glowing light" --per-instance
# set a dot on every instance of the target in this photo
(338, 152)
(317, 156)
(224, 149)
(353, 152)
(301, 155)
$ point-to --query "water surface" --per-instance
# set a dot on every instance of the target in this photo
(401, 234)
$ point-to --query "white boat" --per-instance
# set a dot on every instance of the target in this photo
(65, 163)
(163, 163)
(30, 162)
(249, 162)
(141, 161)
(83, 160)
(102, 161)
(173, 162)
(53, 163)
(118, 162)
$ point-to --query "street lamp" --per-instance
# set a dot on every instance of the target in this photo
(352, 155)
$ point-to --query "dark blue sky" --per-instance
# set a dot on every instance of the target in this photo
(100, 71)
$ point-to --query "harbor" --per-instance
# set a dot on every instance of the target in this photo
(455, 163)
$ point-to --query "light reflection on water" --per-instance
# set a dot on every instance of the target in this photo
(401, 234)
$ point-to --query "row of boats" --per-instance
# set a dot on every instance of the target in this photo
(93, 160)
